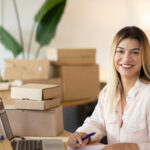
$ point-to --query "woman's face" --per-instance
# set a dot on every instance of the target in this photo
(127, 58)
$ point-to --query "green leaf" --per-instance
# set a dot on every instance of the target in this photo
(9, 42)
(48, 5)
(47, 26)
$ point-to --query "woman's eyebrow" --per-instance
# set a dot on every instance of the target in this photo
(131, 49)
(135, 49)
(120, 47)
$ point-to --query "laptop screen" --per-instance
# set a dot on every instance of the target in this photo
(5, 128)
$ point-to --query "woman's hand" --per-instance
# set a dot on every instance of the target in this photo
(122, 146)
(75, 140)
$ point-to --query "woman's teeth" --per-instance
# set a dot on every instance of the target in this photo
(126, 66)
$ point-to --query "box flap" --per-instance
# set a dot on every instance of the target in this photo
(76, 53)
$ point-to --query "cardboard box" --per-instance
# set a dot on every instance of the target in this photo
(73, 56)
(56, 81)
(35, 91)
(18, 69)
(36, 122)
(5, 95)
(78, 81)
(36, 105)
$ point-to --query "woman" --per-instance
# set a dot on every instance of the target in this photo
(123, 109)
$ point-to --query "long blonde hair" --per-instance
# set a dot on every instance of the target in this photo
(114, 81)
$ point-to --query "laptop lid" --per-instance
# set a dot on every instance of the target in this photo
(4, 122)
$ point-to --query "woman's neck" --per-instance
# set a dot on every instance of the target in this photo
(127, 84)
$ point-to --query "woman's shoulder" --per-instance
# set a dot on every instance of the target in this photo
(147, 82)
(145, 88)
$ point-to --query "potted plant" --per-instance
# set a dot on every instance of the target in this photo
(44, 25)
(45, 22)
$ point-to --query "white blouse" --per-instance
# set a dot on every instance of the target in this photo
(135, 119)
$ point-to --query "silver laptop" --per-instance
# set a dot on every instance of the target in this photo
(23, 144)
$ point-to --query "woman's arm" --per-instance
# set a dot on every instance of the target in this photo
(96, 122)
(146, 145)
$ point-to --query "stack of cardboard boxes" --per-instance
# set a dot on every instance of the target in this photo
(37, 110)
(78, 72)
(36, 96)
(29, 111)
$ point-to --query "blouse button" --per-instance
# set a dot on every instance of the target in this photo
(132, 129)
(128, 99)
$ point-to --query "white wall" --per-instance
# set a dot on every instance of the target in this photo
(85, 23)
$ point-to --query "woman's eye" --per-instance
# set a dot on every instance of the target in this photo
(135, 53)
(120, 51)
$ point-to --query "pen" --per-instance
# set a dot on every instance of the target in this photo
(86, 137)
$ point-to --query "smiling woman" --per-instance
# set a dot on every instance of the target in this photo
(122, 113)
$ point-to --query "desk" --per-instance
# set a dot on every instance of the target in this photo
(63, 136)
(5, 144)
(78, 102)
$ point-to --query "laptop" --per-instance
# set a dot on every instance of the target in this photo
(24, 144)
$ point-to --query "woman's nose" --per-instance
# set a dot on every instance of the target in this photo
(126, 56)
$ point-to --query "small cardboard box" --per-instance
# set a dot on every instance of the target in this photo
(35, 91)
(36, 122)
(73, 56)
(56, 81)
(78, 81)
(18, 69)
(36, 105)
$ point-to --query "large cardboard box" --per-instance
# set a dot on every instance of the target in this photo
(36, 105)
(78, 81)
(36, 122)
(73, 56)
(19, 69)
(35, 91)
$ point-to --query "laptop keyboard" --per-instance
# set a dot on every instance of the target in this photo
(27, 145)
